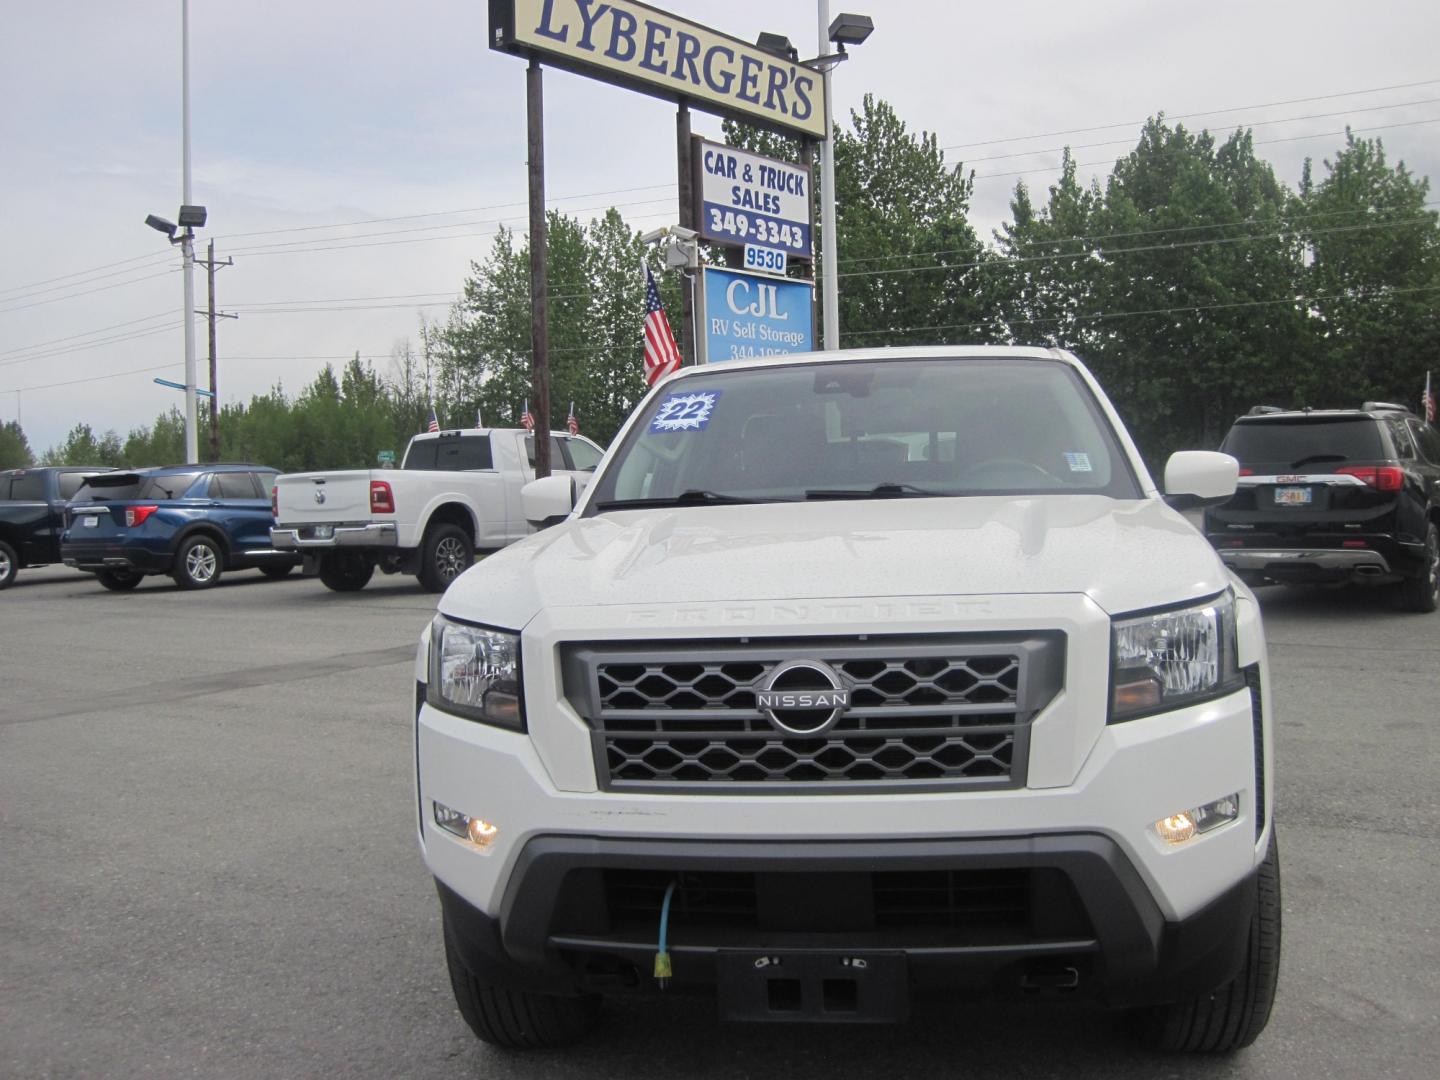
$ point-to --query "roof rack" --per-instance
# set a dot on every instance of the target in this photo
(1264, 410)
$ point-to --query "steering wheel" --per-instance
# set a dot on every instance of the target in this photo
(1000, 469)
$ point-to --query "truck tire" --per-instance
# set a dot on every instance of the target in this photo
(1233, 1016)
(9, 564)
(345, 571)
(199, 563)
(448, 552)
(118, 580)
(1421, 593)
(517, 1019)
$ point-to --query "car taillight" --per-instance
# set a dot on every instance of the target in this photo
(275, 503)
(136, 515)
(1244, 471)
(1382, 478)
(382, 501)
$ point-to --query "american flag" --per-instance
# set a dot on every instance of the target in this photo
(434, 424)
(1427, 402)
(571, 424)
(527, 418)
(662, 355)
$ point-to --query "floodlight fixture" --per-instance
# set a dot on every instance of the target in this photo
(850, 29)
(778, 45)
(159, 224)
(192, 217)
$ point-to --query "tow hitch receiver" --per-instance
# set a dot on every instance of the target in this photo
(814, 987)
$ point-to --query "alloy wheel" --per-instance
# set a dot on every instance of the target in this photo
(449, 558)
(201, 562)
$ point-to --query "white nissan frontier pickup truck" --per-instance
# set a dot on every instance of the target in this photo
(853, 677)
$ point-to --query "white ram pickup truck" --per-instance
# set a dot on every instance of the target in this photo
(853, 676)
(455, 493)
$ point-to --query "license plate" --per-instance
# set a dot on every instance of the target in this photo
(89, 521)
(324, 532)
(1292, 496)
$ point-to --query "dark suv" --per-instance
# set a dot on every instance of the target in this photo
(1334, 496)
(192, 522)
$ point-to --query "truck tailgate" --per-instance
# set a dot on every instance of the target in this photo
(323, 497)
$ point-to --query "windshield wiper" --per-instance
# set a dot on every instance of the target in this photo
(1313, 458)
(887, 490)
(691, 497)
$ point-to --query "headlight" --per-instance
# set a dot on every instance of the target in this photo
(475, 672)
(1167, 659)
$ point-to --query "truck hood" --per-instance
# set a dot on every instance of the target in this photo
(1124, 555)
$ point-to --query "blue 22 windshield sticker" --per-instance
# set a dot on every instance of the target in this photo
(685, 412)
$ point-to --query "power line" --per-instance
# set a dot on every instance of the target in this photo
(52, 354)
(90, 379)
(89, 333)
(158, 256)
(1193, 115)
(1256, 124)
(1092, 237)
(1181, 308)
(1258, 142)
(88, 292)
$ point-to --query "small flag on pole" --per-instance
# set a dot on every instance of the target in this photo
(1427, 403)
(527, 418)
(571, 424)
(662, 355)
(434, 420)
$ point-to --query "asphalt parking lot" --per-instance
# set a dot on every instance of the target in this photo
(208, 864)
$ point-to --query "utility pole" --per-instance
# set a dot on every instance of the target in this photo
(211, 315)
(539, 288)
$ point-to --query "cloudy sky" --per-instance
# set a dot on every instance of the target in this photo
(356, 155)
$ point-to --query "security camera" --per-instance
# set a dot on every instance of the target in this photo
(682, 233)
(655, 235)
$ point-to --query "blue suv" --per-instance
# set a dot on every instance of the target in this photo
(192, 522)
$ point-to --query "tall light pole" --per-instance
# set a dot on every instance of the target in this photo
(845, 30)
(187, 242)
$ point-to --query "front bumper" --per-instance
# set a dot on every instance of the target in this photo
(1082, 920)
(306, 537)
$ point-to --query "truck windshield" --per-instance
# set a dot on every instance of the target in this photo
(868, 429)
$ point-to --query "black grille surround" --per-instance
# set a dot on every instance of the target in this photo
(925, 712)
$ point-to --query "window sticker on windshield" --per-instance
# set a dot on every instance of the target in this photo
(1078, 460)
(685, 412)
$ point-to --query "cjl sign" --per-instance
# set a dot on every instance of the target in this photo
(749, 315)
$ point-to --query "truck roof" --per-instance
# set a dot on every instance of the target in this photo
(905, 352)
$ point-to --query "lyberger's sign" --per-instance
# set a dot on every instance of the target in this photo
(658, 53)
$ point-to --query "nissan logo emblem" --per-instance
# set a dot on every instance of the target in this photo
(802, 697)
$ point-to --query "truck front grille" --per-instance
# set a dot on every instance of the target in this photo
(942, 711)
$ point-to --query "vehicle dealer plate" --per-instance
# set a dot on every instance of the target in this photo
(324, 532)
(1292, 496)
(89, 521)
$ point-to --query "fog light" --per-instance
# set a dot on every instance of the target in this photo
(477, 831)
(1188, 824)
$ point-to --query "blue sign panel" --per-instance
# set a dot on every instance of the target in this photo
(750, 315)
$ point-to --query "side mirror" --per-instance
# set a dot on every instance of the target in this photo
(1195, 478)
(548, 501)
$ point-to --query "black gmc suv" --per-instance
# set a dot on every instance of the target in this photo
(1334, 496)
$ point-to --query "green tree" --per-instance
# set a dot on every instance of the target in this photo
(1374, 276)
(14, 447)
